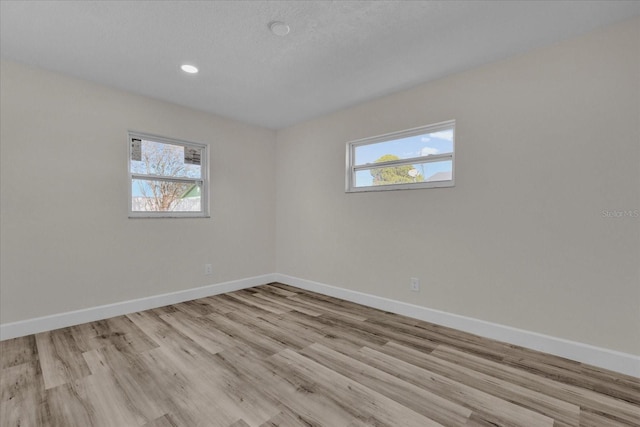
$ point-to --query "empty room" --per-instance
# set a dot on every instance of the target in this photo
(319, 213)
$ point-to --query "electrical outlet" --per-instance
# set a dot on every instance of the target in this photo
(208, 269)
(415, 284)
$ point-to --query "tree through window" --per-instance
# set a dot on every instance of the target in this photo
(168, 177)
(415, 158)
(394, 174)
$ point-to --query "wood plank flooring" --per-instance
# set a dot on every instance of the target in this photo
(275, 355)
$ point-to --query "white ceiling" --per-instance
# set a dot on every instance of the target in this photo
(338, 54)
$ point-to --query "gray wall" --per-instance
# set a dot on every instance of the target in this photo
(546, 142)
(67, 243)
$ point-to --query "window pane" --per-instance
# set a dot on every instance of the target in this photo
(405, 174)
(436, 171)
(158, 158)
(165, 196)
(427, 144)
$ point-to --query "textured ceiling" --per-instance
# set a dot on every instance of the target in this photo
(338, 54)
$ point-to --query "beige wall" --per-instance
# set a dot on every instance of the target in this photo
(67, 243)
(546, 142)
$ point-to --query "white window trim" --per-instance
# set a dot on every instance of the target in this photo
(351, 169)
(204, 177)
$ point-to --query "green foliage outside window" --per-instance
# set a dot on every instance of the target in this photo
(394, 174)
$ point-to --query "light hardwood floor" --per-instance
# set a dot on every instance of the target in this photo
(279, 356)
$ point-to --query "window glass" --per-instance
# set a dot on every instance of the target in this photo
(415, 158)
(168, 177)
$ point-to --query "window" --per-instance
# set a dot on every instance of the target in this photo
(167, 178)
(415, 158)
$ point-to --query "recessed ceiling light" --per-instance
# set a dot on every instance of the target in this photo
(189, 69)
(279, 28)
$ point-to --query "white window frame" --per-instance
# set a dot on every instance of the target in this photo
(203, 180)
(351, 169)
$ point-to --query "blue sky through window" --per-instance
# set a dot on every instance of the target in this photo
(166, 160)
(440, 142)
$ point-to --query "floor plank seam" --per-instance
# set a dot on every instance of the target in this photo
(274, 355)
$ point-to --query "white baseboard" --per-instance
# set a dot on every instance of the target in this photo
(601, 357)
(62, 320)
